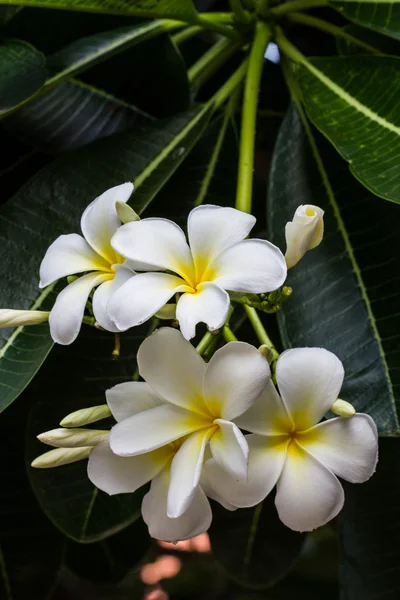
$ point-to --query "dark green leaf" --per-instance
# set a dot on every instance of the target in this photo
(52, 203)
(354, 102)
(31, 548)
(72, 115)
(345, 292)
(7, 13)
(253, 545)
(369, 530)
(76, 377)
(22, 72)
(380, 16)
(381, 42)
(173, 9)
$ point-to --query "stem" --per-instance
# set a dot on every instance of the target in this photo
(205, 342)
(186, 34)
(241, 15)
(260, 330)
(289, 7)
(228, 113)
(228, 334)
(322, 25)
(229, 86)
(249, 115)
(225, 30)
(117, 347)
(211, 348)
(211, 61)
(288, 48)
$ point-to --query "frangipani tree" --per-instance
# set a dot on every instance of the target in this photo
(216, 366)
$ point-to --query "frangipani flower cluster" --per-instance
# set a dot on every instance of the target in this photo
(180, 429)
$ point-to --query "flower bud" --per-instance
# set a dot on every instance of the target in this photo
(125, 213)
(60, 456)
(84, 416)
(15, 318)
(303, 233)
(168, 311)
(343, 409)
(267, 353)
(72, 438)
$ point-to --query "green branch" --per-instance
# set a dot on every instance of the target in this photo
(186, 34)
(259, 330)
(211, 60)
(229, 86)
(288, 7)
(249, 115)
(241, 15)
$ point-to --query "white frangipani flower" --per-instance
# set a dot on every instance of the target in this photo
(219, 259)
(190, 398)
(289, 448)
(304, 233)
(93, 255)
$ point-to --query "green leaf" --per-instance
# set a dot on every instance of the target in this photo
(344, 99)
(22, 72)
(345, 292)
(380, 16)
(174, 9)
(76, 377)
(31, 549)
(252, 544)
(72, 115)
(380, 42)
(368, 528)
(56, 198)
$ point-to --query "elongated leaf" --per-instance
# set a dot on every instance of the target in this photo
(346, 292)
(52, 203)
(354, 102)
(72, 115)
(77, 376)
(174, 9)
(382, 16)
(22, 72)
(31, 549)
(253, 545)
(380, 42)
(369, 531)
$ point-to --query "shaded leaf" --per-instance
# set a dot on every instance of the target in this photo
(174, 9)
(369, 532)
(72, 115)
(379, 41)
(380, 16)
(252, 544)
(52, 203)
(344, 99)
(345, 292)
(22, 72)
(76, 377)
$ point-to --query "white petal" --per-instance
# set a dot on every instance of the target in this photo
(131, 397)
(268, 414)
(196, 520)
(266, 459)
(186, 468)
(116, 475)
(252, 266)
(152, 429)
(309, 380)
(235, 376)
(157, 242)
(211, 492)
(212, 229)
(229, 448)
(67, 255)
(303, 233)
(348, 447)
(103, 294)
(100, 220)
(209, 305)
(308, 494)
(141, 297)
(65, 318)
(173, 368)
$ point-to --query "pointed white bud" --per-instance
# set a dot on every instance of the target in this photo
(267, 353)
(15, 318)
(72, 438)
(84, 416)
(125, 213)
(60, 456)
(343, 409)
(303, 233)
(168, 311)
